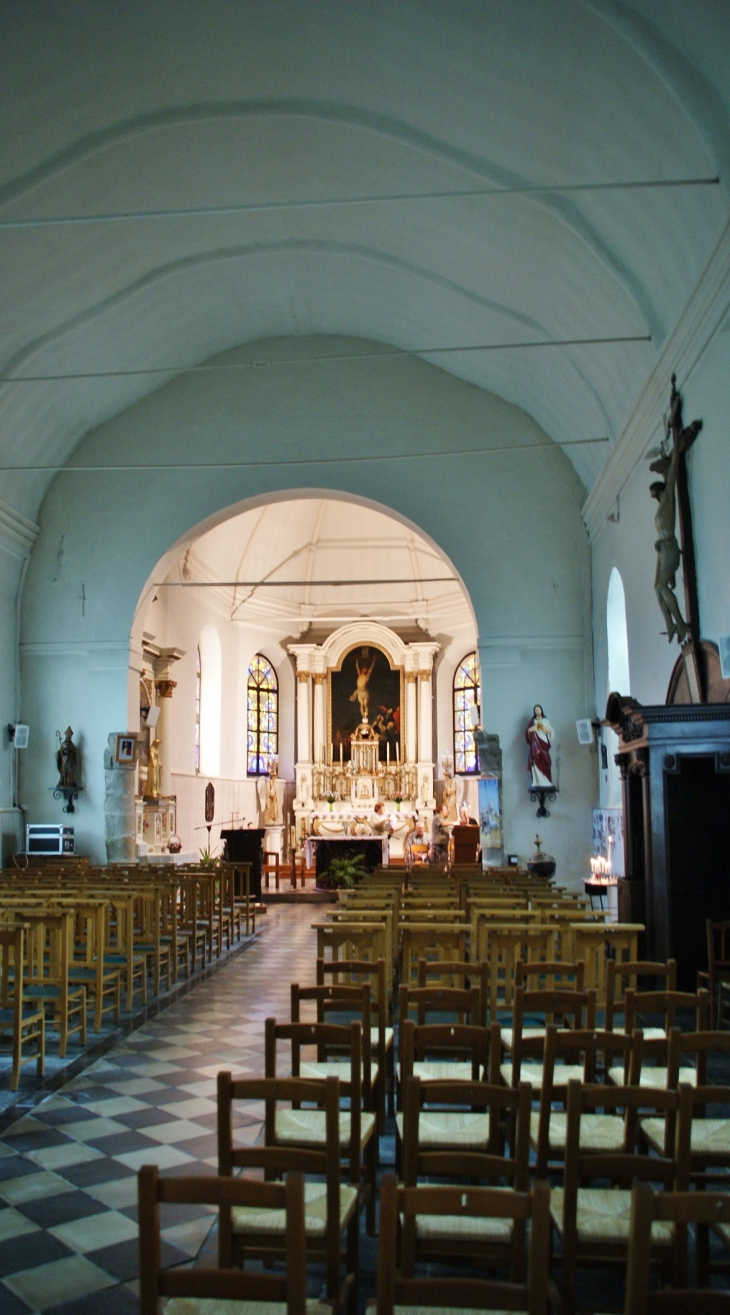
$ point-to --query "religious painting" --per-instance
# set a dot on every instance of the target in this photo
(126, 749)
(490, 819)
(366, 685)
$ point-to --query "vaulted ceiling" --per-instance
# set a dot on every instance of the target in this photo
(307, 562)
(181, 177)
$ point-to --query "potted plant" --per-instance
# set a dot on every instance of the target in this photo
(343, 873)
(207, 860)
(398, 801)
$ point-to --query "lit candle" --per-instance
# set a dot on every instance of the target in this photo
(397, 751)
(387, 752)
(340, 753)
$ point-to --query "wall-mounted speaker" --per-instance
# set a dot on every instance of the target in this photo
(584, 728)
(723, 643)
(153, 717)
(19, 735)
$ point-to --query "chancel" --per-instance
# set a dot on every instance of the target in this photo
(364, 492)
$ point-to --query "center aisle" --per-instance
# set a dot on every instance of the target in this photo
(68, 1230)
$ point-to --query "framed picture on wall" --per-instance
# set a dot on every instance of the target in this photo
(365, 685)
(126, 749)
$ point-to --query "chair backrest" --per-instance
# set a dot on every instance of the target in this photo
(569, 1046)
(353, 971)
(449, 1042)
(574, 1009)
(552, 976)
(620, 975)
(471, 1202)
(325, 1036)
(679, 1209)
(223, 1284)
(718, 944)
(490, 1162)
(278, 1158)
(666, 1004)
(623, 1166)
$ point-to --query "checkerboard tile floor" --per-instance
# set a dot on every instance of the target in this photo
(68, 1230)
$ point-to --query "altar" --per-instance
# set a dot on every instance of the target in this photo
(364, 736)
(320, 850)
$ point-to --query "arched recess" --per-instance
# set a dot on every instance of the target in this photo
(618, 638)
(210, 701)
(619, 679)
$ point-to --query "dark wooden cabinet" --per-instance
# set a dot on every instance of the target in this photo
(244, 846)
(675, 770)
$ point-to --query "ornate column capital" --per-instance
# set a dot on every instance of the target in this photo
(425, 674)
(161, 664)
(411, 677)
(319, 677)
(164, 688)
(302, 677)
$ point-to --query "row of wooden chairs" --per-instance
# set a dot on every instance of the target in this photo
(80, 938)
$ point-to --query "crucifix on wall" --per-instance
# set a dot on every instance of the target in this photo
(672, 494)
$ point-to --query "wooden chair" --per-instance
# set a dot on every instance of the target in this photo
(548, 1126)
(573, 1009)
(665, 1004)
(506, 946)
(718, 962)
(357, 1127)
(445, 1052)
(674, 1210)
(331, 1209)
(24, 1024)
(87, 967)
(617, 940)
(482, 1207)
(543, 976)
(593, 1222)
(49, 938)
(619, 976)
(339, 1003)
(190, 1290)
(430, 940)
(269, 867)
(459, 1134)
(382, 1034)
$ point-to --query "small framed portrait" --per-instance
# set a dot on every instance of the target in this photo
(126, 749)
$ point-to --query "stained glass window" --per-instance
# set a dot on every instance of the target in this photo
(197, 712)
(262, 726)
(466, 694)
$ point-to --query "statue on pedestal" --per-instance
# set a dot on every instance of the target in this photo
(154, 771)
(271, 812)
(66, 758)
(449, 803)
(539, 734)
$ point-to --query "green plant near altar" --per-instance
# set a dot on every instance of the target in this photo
(207, 860)
(343, 873)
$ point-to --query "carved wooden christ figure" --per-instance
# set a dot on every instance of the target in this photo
(669, 463)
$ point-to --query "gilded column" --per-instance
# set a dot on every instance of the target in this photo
(304, 718)
(411, 727)
(320, 728)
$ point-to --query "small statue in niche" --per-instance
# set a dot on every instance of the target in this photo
(449, 802)
(66, 758)
(271, 812)
(154, 771)
(668, 552)
(539, 734)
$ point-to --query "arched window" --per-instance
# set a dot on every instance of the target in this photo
(466, 694)
(197, 712)
(211, 685)
(262, 727)
(617, 634)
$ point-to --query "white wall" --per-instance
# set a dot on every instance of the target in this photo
(510, 524)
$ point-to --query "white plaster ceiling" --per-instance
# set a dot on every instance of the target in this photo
(132, 107)
(306, 542)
